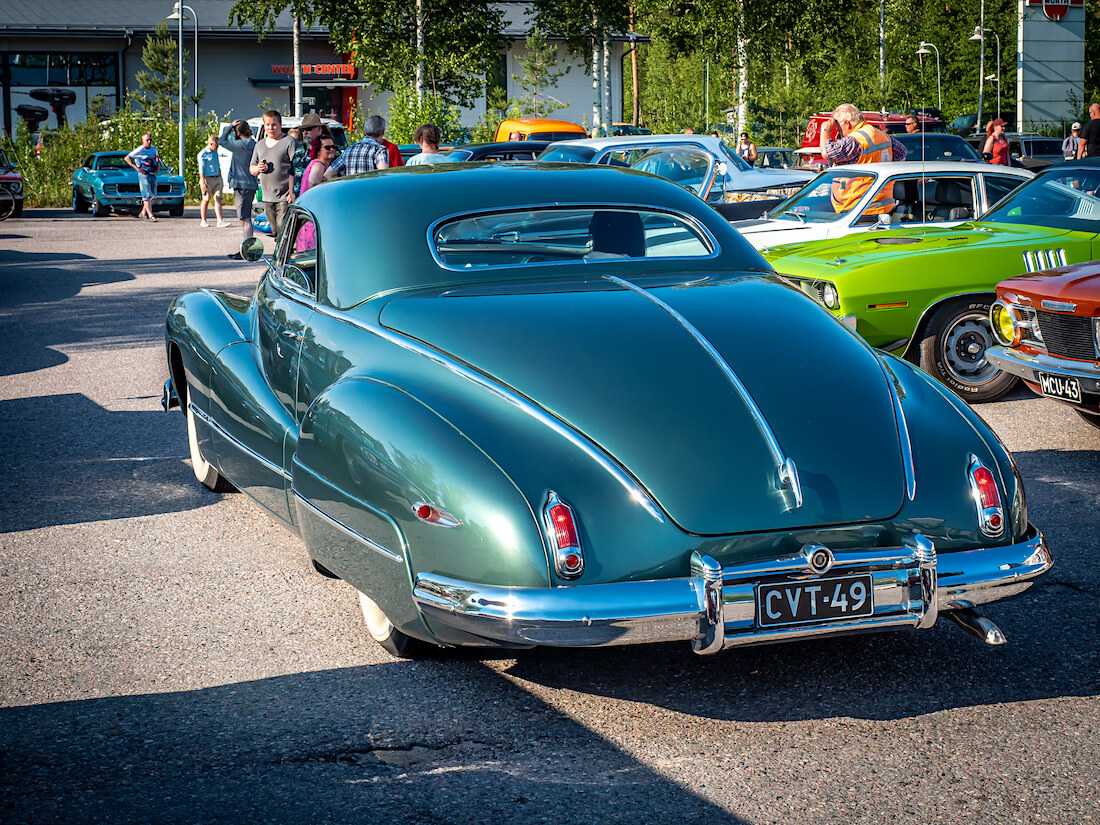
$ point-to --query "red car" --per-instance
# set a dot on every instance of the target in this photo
(12, 181)
(1048, 326)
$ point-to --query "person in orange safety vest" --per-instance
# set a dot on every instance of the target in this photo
(859, 142)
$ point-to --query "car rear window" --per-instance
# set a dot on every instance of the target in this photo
(566, 235)
(568, 154)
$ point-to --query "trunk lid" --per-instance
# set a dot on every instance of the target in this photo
(627, 374)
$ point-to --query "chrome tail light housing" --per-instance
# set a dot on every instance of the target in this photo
(987, 497)
(563, 536)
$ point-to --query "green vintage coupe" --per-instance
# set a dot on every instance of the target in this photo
(925, 294)
(530, 404)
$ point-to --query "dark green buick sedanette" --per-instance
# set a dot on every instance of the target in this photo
(532, 404)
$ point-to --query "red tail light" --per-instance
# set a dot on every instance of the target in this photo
(561, 530)
(987, 498)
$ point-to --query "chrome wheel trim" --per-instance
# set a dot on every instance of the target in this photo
(967, 331)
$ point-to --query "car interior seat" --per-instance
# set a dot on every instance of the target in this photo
(954, 201)
(907, 209)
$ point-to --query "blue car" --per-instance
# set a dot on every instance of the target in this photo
(106, 181)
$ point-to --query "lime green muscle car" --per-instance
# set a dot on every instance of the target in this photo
(925, 294)
(536, 404)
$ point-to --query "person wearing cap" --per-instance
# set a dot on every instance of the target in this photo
(996, 144)
(311, 127)
(1090, 135)
(1070, 144)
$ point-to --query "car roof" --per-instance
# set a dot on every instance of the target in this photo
(291, 122)
(418, 197)
(707, 141)
(910, 167)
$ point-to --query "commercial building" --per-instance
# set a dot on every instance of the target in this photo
(59, 58)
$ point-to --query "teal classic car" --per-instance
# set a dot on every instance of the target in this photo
(515, 407)
(106, 181)
(925, 294)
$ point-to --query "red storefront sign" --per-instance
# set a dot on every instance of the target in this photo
(317, 69)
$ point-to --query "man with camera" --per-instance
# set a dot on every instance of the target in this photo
(273, 164)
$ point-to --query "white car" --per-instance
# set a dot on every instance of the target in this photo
(941, 193)
(703, 163)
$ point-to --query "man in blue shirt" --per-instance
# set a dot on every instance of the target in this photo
(146, 161)
(210, 181)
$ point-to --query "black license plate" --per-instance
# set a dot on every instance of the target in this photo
(817, 600)
(1068, 389)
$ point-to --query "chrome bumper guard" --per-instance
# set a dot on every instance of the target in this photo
(1026, 365)
(715, 607)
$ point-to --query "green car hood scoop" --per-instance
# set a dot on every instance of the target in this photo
(646, 374)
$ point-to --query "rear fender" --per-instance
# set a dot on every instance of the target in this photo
(199, 325)
(368, 453)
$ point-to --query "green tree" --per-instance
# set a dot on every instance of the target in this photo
(159, 81)
(539, 72)
(460, 38)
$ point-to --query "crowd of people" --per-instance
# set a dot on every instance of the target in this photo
(278, 165)
(282, 166)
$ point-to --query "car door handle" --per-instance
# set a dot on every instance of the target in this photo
(292, 335)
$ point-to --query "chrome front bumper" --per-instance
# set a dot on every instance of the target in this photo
(715, 607)
(1026, 365)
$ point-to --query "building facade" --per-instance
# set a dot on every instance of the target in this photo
(59, 59)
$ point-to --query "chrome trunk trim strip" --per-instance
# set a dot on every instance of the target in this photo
(786, 471)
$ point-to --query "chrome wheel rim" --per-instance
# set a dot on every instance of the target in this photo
(964, 345)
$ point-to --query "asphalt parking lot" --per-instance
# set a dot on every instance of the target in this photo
(170, 655)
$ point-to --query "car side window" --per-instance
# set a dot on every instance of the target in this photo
(298, 254)
(997, 186)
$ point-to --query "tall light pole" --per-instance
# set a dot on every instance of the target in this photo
(177, 15)
(922, 51)
(979, 34)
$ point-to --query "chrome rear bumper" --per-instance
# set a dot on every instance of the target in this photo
(715, 607)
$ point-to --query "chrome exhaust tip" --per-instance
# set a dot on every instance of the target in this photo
(978, 625)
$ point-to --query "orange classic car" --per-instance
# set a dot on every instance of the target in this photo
(1048, 326)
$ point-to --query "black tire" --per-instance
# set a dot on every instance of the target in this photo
(99, 208)
(1089, 417)
(953, 347)
(204, 471)
(176, 211)
(7, 204)
(389, 637)
(80, 203)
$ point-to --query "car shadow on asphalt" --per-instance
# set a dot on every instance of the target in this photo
(68, 460)
(396, 742)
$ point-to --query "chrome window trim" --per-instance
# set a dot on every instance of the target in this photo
(634, 488)
(691, 220)
(343, 528)
(206, 419)
(786, 471)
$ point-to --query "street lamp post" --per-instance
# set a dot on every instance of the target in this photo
(179, 65)
(922, 51)
(979, 34)
(176, 15)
